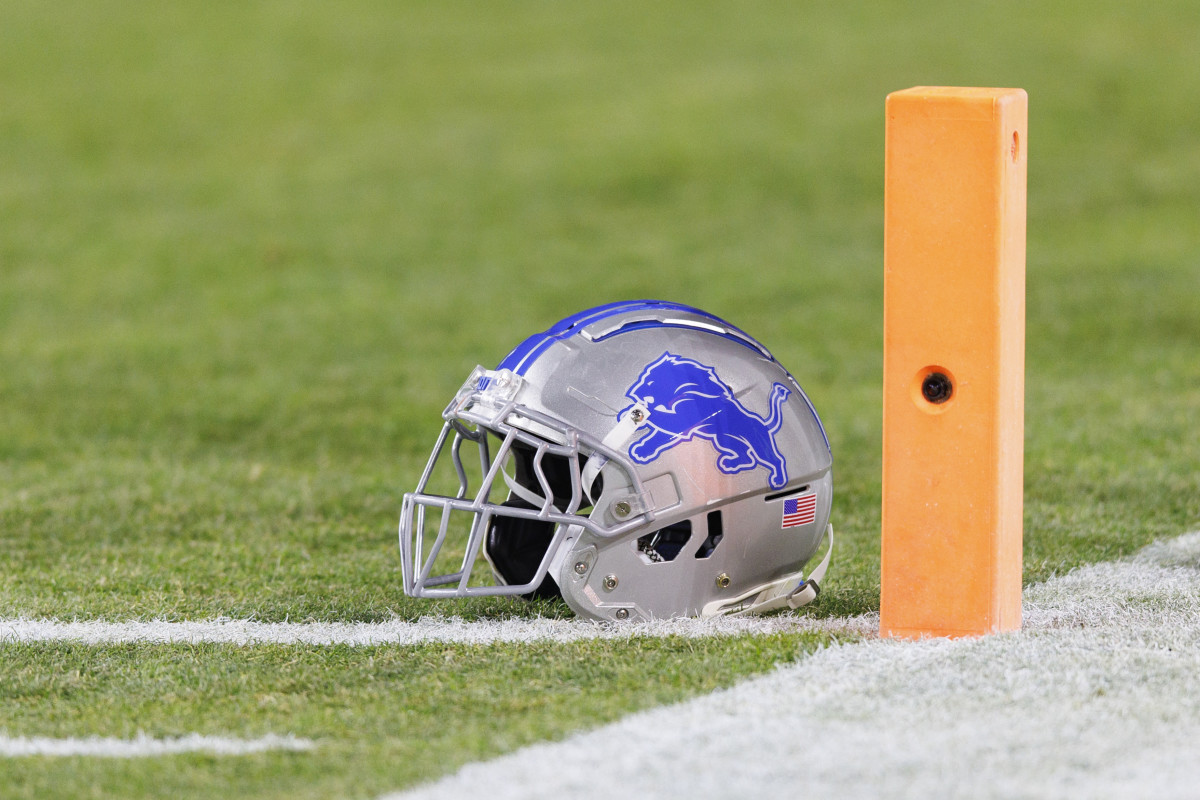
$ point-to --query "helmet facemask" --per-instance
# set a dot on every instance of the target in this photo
(559, 483)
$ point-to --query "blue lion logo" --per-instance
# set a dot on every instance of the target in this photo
(687, 400)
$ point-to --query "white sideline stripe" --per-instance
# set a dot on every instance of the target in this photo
(144, 746)
(1098, 697)
(427, 629)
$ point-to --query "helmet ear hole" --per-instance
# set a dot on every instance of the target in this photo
(716, 532)
(515, 548)
(665, 544)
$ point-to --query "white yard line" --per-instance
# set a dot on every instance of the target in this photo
(429, 629)
(1098, 697)
(143, 746)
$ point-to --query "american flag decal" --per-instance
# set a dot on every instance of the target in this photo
(799, 510)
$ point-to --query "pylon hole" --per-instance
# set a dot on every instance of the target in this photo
(934, 389)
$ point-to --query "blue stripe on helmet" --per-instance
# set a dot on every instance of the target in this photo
(528, 351)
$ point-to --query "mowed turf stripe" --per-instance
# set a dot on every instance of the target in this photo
(428, 629)
(1098, 697)
(143, 746)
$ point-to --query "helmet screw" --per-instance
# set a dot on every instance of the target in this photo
(637, 415)
(723, 581)
(622, 613)
(622, 508)
(580, 567)
(610, 582)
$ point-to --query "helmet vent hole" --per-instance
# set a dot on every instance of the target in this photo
(664, 544)
(787, 493)
(716, 532)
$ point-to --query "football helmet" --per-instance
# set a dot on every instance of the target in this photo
(642, 459)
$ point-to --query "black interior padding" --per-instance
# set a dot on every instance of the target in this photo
(517, 546)
(557, 470)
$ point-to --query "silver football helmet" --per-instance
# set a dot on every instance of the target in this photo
(641, 459)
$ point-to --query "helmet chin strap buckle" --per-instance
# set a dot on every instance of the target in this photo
(793, 591)
(805, 593)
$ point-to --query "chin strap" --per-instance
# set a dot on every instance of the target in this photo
(790, 592)
(531, 497)
(616, 439)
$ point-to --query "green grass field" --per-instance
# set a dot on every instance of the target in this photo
(248, 251)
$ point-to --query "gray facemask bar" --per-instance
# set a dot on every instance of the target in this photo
(478, 408)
